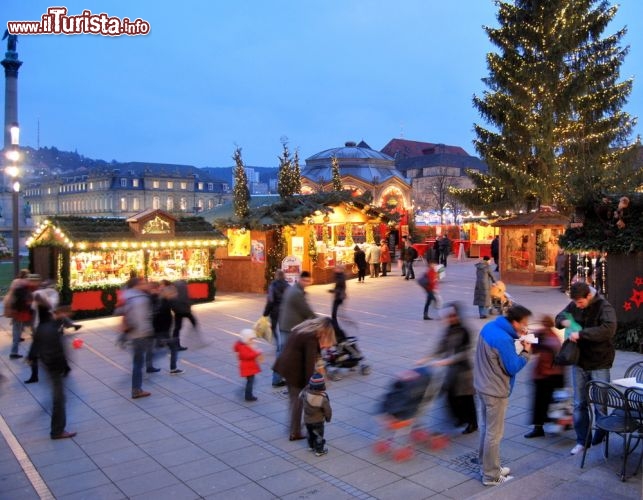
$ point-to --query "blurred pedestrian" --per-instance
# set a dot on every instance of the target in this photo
(445, 249)
(495, 251)
(359, 258)
(385, 258)
(547, 376)
(182, 308)
(276, 291)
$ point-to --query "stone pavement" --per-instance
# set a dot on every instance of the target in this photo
(195, 437)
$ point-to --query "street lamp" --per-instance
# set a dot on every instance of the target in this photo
(13, 155)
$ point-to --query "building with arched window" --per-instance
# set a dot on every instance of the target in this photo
(361, 169)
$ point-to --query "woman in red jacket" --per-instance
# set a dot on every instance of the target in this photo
(249, 359)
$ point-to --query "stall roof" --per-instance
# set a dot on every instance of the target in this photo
(540, 218)
(295, 209)
(93, 229)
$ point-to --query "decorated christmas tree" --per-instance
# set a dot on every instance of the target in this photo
(241, 193)
(337, 180)
(554, 103)
(289, 178)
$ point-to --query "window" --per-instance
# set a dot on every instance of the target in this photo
(170, 203)
(123, 183)
(136, 204)
(156, 184)
(170, 184)
(199, 204)
(184, 185)
(210, 204)
(210, 186)
(183, 203)
(200, 186)
(156, 202)
(135, 183)
(123, 204)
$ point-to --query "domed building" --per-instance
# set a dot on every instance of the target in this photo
(361, 169)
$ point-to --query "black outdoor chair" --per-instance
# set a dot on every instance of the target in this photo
(636, 371)
(634, 397)
(609, 412)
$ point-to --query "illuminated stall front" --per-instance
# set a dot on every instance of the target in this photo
(529, 246)
(91, 258)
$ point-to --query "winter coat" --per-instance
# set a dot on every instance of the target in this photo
(294, 308)
(248, 363)
(547, 347)
(374, 254)
(276, 292)
(596, 342)
(316, 406)
(456, 346)
(340, 286)
(297, 361)
(360, 259)
(496, 361)
(385, 254)
(482, 291)
(48, 343)
(137, 312)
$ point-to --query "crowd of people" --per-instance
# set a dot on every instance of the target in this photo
(478, 379)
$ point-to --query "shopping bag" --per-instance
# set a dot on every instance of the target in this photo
(263, 329)
(568, 354)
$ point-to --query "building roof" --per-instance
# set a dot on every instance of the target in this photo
(442, 160)
(403, 148)
(355, 160)
(539, 218)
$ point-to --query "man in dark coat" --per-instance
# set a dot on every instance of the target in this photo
(495, 251)
(276, 291)
(445, 249)
(595, 340)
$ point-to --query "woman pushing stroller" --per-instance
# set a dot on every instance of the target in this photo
(453, 353)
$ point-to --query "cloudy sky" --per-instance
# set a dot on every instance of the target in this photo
(214, 74)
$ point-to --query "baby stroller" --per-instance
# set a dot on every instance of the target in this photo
(345, 354)
(500, 299)
(399, 410)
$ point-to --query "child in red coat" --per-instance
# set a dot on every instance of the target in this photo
(249, 359)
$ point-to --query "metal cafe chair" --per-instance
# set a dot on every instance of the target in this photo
(611, 413)
(635, 371)
(634, 397)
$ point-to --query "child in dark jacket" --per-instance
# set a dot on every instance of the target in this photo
(317, 410)
(249, 359)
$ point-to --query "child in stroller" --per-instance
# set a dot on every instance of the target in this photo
(345, 354)
(500, 299)
(400, 408)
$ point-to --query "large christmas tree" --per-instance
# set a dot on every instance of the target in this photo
(241, 193)
(554, 102)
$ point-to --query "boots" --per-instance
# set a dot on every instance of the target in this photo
(537, 431)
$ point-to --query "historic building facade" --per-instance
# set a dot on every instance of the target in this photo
(432, 168)
(125, 191)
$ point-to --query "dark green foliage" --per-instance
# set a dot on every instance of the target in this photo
(554, 103)
(241, 193)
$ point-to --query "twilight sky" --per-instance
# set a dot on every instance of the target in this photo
(213, 74)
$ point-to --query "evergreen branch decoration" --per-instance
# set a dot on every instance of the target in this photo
(337, 178)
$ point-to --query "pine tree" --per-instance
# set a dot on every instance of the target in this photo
(289, 178)
(555, 104)
(337, 180)
(241, 193)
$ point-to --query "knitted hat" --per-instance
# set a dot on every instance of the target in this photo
(247, 334)
(317, 382)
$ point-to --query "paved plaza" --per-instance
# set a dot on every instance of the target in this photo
(196, 437)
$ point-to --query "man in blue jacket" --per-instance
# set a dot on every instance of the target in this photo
(496, 366)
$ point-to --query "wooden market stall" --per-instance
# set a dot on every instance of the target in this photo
(529, 246)
(91, 258)
(308, 232)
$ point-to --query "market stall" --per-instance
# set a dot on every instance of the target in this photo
(529, 246)
(91, 258)
(317, 231)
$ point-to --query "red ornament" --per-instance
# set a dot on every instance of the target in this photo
(77, 343)
(637, 297)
